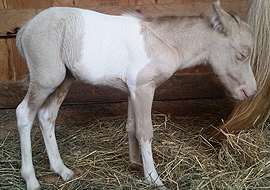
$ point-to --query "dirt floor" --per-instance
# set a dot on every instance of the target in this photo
(93, 142)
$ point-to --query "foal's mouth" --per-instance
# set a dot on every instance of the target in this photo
(244, 94)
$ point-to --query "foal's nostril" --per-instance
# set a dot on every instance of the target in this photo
(244, 94)
(247, 93)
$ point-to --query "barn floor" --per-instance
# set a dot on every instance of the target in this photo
(93, 142)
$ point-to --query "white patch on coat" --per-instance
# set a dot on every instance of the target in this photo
(115, 54)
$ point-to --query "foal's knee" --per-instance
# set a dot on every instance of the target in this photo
(144, 134)
(46, 118)
(130, 126)
(23, 117)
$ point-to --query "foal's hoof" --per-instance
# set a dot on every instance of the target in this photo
(33, 185)
(136, 166)
(161, 188)
(68, 175)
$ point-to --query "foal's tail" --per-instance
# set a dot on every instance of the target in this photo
(25, 81)
(19, 42)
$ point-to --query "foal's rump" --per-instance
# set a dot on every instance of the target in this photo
(40, 43)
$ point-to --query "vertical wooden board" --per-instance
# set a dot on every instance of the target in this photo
(12, 67)
(6, 70)
(12, 72)
(239, 7)
(10, 19)
(3, 4)
(20, 66)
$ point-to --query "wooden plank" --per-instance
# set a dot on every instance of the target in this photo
(184, 86)
(22, 4)
(20, 67)
(192, 111)
(87, 3)
(10, 70)
(3, 4)
(12, 67)
(220, 108)
(5, 74)
(16, 18)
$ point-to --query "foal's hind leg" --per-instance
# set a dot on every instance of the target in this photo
(47, 115)
(26, 112)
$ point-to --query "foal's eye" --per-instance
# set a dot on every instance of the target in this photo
(243, 56)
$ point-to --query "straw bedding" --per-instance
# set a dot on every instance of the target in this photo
(97, 150)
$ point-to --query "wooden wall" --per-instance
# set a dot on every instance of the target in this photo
(14, 13)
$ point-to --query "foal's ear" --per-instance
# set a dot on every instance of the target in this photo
(221, 21)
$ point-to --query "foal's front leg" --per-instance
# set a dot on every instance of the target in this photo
(134, 155)
(142, 105)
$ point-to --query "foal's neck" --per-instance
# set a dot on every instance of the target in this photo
(191, 37)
